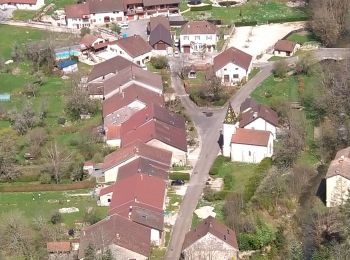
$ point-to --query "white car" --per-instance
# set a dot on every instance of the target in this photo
(124, 25)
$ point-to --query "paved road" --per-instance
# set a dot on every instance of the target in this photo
(209, 129)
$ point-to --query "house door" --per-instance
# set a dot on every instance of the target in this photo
(107, 19)
(186, 49)
(226, 78)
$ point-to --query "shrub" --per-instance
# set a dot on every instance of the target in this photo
(61, 121)
(201, 8)
(214, 170)
(185, 176)
(91, 216)
(56, 218)
(228, 181)
(45, 178)
(159, 62)
(246, 23)
(280, 69)
(211, 195)
(263, 236)
(84, 31)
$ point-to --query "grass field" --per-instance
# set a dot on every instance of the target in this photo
(24, 15)
(302, 37)
(48, 203)
(252, 11)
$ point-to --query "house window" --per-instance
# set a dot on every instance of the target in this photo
(235, 76)
(225, 69)
(197, 38)
(236, 68)
(209, 37)
(186, 38)
(121, 52)
(109, 200)
(250, 153)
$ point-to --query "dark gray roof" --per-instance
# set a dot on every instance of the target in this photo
(160, 33)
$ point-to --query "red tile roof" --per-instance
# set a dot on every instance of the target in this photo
(77, 10)
(119, 231)
(251, 137)
(211, 225)
(128, 95)
(284, 45)
(112, 132)
(141, 188)
(58, 247)
(198, 27)
(157, 130)
(88, 40)
(113, 65)
(106, 190)
(144, 166)
(153, 112)
(159, 2)
(160, 34)
(232, 55)
(135, 150)
(258, 111)
(156, 20)
(134, 45)
(132, 74)
(29, 2)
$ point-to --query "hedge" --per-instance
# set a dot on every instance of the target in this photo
(211, 195)
(185, 176)
(214, 170)
(47, 187)
(277, 20)
(246, 23)
(201, 8)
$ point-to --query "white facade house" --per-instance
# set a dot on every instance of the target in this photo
(21, 4)
(251, 146)
(232, 66)
(210, 240)
(285, 48)
(262, 124)
(338, 179)
(198, 37)
(133, 48)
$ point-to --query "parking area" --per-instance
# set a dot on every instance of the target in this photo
(137, 27)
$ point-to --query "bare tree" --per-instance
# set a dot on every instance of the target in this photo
(8, 150)
(35, 139)
(58, 159)
(280, 69)
(329, 19)
(24, 119)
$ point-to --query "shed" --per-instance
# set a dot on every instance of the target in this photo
(5, 97)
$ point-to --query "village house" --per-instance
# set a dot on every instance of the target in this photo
(142, 192)
(160, 128)
(93, 43)
(93, 12)
(210, 240)
(21, 4)
(285, 48)
(198, 37)
(159, 38)
(125, 155)
(258, 117)
(338, 179)
(125, 238)
(252, 142)
(133, 48)
(120, 107)
(232, 66)
(130, 76)
(103, 71)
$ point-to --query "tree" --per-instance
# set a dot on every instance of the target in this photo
(329, 19)
(16, 54)
(215, 88)
(305, 63)
(159, 62)
(24, 119)
(31, 89)
(16, 235)
(35, 139)
(78, 102)
(115, 28)
(56, 218)
(280, 69)
(107, 255)
(90, 253)
(8, 151)
(57, 160)
(84, 31)
(42, 55)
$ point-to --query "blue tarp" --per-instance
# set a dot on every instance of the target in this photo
(66, 63)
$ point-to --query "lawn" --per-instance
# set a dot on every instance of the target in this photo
(24, 15)
(253, 72)
(259, 11)
(199, 80)
(302, 37)
(48, 203)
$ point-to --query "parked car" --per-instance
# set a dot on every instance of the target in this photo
(124, 25)
(177, 183)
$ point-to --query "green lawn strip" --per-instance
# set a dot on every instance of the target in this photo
(275, 58)
(24, 15)
(157, 253)
(173, 198)
(302, 37)
(49, 202)
(253, 72)
(251, 11)
(200, 78)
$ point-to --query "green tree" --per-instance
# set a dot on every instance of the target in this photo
(107, 255)
(84, 31)
(90, 253)
(280, 69)
(115, 28)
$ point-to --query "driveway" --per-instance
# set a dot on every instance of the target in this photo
(137, 27)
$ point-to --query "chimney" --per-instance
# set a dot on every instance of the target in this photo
(123, 94)
(255, 115)
(129, 215)
(341, 159)
(141, 176)
(135, 199)
(118, 236)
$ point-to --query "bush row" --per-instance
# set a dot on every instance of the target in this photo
(214, 170)
(210, 195)
(277, 20)
(201, 8)
(47, 187)
(185, 176)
